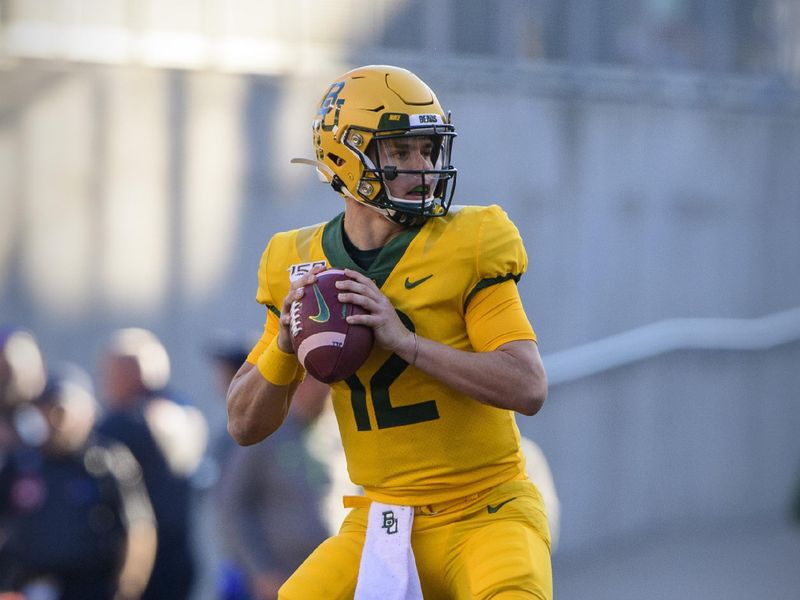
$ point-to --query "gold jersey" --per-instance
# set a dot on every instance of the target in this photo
(410, 439)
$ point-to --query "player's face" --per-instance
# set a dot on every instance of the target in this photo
(416, 153)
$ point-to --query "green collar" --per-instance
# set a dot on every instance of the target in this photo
(390, 254)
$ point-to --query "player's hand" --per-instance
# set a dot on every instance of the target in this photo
(295, 293)
(390, 333)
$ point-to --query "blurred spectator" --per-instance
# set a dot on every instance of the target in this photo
(78, 524)
(269, 497)
(22, 379)
(227, 352)
(166, 437)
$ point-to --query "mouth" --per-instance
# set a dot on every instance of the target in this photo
(419, 191)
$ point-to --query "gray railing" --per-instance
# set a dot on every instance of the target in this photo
(671, 335)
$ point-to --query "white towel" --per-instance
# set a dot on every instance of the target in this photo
(388, 570)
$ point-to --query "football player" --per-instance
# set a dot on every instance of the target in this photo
(428, 422)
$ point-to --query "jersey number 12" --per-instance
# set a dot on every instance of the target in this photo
(387, 415)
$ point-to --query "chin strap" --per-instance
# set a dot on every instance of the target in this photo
(404, 219)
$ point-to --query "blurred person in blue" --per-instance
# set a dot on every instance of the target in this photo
(77, 521)
(22, 379)
(224, 352)
(269, 498)
(168, 439)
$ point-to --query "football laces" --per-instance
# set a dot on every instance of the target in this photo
(295, 324)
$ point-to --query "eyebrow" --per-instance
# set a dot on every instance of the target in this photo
(405, 144)
(399, 144)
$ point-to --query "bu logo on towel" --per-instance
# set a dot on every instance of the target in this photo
(389, 522)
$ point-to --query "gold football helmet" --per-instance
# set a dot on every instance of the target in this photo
(382, 138)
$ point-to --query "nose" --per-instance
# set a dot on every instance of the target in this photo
(419, 161)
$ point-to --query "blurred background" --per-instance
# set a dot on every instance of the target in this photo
(648, 150)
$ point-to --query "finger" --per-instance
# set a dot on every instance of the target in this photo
(308, 278)
(287, 309)
(363, 319)
(305, 280)
(298, 289)
(363, 279)
(356, 287)
(367, 303)
(291, 297)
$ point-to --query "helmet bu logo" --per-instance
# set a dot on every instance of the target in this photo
(330, 102)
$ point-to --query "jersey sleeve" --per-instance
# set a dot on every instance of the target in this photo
(496, 316)
(500, 254)
(264, 294)
(271, 326)
(494, 311)
(271, 296)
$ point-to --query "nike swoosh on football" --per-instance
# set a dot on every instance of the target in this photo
(324, 312)
(496, 507)
(413, 284)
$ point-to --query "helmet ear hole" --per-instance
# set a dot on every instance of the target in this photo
(337, 160)
(371, 152)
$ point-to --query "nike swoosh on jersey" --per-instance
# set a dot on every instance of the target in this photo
(413, 284)
(324, 312)
(496, 507)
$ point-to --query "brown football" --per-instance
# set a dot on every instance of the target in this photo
(328, 346)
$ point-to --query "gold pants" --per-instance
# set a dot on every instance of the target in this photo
(495, 544)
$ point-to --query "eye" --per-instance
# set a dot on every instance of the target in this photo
(400, 154)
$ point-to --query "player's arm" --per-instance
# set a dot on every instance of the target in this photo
(510, 375)
(259, 394)
(256, 407)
